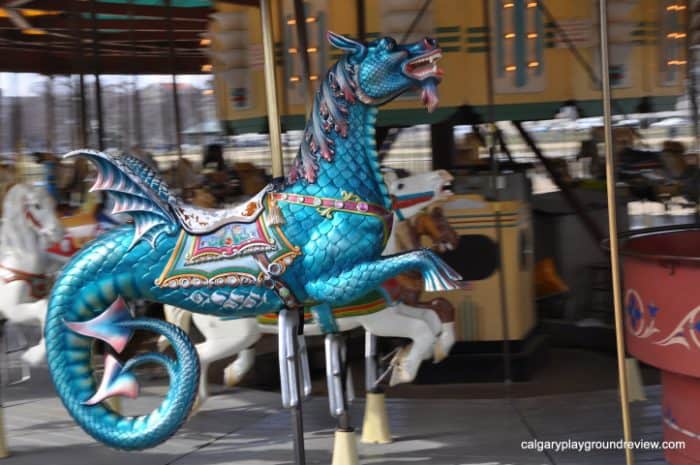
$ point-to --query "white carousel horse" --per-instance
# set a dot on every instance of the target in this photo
(429, 336)
(29, 226)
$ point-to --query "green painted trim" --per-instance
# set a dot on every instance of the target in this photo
(439, 30)
(477, 49)
(478, 29)
(483, 215)
(413, 116)
(477, 39)
(486, 225)
(450, 49)
(448, 39)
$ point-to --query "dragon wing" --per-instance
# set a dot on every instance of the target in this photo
(136, 189)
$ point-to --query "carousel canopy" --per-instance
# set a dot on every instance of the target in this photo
(104, 36)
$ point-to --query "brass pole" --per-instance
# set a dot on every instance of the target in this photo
(612, 224)
(273, 118)
(303, 41)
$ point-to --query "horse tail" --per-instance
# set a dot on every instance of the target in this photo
(87, 303)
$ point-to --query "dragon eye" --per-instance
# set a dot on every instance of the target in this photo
(389, 43)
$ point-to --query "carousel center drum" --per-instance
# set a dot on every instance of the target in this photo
(662, 320)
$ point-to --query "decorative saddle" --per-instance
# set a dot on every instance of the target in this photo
(196, 220)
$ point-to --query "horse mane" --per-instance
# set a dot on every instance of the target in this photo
(330, 114)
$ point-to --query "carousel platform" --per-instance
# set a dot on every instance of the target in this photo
(245, 426)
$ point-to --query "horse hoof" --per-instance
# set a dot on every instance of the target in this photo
(405, 369)
(439, 353)
(448, 337)
(197, 405)
(34, 356)
(231, 379)
(399, 375)
(162, 344)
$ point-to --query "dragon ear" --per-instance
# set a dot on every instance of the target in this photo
(348, 45)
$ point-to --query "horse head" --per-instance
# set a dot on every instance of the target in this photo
(435, 225)
(35, 208)
(384, 69)
(413, 193)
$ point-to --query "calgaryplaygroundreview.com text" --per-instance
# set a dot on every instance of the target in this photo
(588, 446)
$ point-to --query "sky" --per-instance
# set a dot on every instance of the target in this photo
(26, 84)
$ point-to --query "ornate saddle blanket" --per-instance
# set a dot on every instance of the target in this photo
(237, 254)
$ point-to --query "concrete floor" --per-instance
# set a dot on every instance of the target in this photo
(245, 426)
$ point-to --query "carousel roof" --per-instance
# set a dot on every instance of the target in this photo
(104, 36)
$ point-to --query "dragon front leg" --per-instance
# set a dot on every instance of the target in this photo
(353, 283)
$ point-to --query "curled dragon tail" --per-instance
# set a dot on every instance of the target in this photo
(69, 336)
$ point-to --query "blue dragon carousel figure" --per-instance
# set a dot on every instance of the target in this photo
(312, 239)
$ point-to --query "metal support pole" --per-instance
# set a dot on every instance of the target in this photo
(493, 142)
(98, 87)
(361, 20)
(16, 123)
(82, 110)
(612, 224)
(292, 376)
(135, 93)
(303, 41)
(273, 118)
(173, 70)
(50, 116)
(693, 87)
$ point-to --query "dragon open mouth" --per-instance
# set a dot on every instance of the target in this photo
(424, 66)
(424, 69)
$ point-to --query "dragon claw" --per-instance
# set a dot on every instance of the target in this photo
(106, 326)
(116, 381)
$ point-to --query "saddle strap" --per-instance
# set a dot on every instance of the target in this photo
(327, 206)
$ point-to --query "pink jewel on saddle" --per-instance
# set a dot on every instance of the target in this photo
(339, 204)
(362, 206)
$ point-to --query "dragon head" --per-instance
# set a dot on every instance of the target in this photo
(385, 69)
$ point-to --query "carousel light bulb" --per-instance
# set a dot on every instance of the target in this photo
(207, 68)
(510, 35)
(205, 42)
(511, 68)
